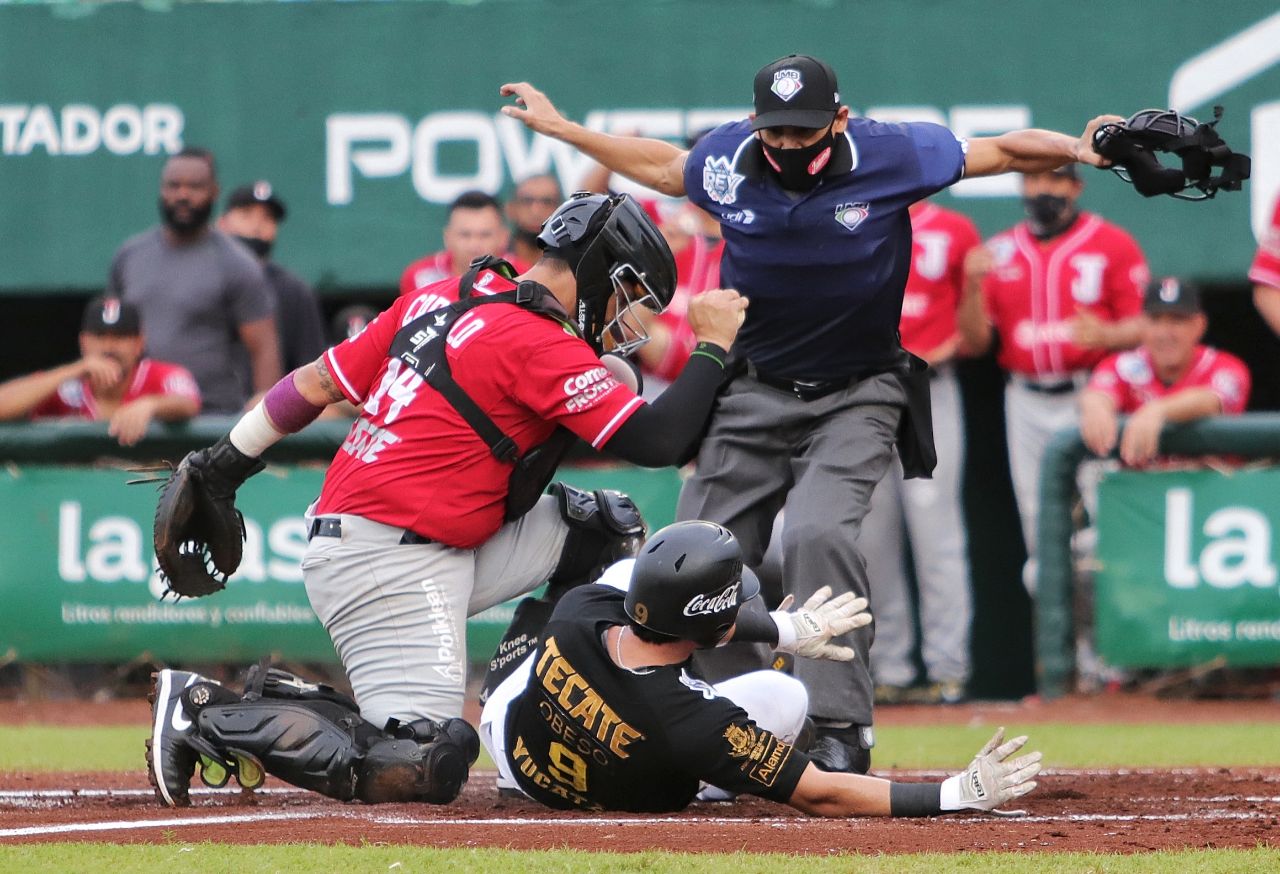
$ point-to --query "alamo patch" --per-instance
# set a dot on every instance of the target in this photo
(762, 754)
(850, 215)
(719, 180)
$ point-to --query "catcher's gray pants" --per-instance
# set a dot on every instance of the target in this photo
(933, 517)
(397, 614)
(821, 460)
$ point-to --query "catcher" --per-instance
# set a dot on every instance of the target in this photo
(608, 714)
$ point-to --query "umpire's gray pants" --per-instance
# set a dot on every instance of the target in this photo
(931, 513)
(398, 614)
(820, 460)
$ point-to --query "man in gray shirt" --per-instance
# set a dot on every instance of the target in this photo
(202, 295)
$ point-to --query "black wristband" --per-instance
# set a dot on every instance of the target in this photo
(711, 350)
(755, 625)
(915, 799)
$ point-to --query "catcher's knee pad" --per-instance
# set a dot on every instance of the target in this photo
(604, 526)
(422, 760)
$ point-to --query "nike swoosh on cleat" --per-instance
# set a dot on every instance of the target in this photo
(180, 722)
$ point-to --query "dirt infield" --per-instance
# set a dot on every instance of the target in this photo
(1111, 811)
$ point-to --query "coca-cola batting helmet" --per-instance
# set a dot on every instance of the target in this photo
(688, 582)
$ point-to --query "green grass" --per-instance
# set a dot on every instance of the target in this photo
(195, 858)
(119, 748)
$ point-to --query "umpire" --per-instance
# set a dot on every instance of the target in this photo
(813, 205)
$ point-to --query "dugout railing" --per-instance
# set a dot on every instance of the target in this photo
(1252, 436)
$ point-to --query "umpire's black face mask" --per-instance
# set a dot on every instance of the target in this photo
(801, 169)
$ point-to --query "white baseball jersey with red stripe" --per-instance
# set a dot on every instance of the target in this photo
(1266, 264)
(1035, 289)
(74, 398)
(940, 239)
(412, 461)
(1129, 378)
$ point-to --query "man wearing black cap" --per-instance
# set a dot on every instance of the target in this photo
(111, 381)
(1055, 293)
(253, 215)
(813, 205)
(1171, 377)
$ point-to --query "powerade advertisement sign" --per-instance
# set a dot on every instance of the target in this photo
(396, 110)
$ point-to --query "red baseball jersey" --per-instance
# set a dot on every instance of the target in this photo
(412, 461)
(1266, 264)
(435, 268)
(697, 269)
(1130, 379)
(74, 398)
(940, 239)
(1035, 290)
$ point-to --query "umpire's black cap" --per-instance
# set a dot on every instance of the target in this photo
(798, 91)
(258, 192)
(111, 315)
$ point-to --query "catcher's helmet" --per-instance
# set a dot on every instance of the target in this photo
(688, 582)
(607, 240)
(1133, 145)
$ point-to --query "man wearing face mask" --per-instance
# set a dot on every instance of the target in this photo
(1057, 292)
(202, 295)
(813, 205)
(253, 215)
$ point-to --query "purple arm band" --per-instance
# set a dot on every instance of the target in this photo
(288, 410)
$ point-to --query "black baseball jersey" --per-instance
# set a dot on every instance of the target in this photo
(586, 734)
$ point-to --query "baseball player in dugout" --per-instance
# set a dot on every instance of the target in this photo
(1265, 272)
(474, 227)
(929, 512)
(1055, 293)
(112, 381)
(813, 203)
(436, 506)
(609, 714)
(1171, 377)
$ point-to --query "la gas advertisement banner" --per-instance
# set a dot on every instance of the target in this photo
(1187, 568)
(370, 117)
(78, 580)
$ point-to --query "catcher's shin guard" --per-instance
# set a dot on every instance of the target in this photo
(310, 745)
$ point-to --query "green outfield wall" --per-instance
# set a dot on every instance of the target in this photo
(369, 117)
(78, 580)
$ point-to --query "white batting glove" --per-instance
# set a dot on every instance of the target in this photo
(992, 778)
(808, 631)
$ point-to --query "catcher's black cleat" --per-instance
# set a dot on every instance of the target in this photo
(171, 761)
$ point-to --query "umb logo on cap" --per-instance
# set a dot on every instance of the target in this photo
(787, 84)
(111, 311)
(1169, 289)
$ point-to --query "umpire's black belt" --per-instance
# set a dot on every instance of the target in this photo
(809, 389)
(331, 526)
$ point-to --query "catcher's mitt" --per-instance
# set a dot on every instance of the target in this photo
(1134, 144)
(199, 533)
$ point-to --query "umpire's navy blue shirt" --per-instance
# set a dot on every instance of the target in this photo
(824, 272)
